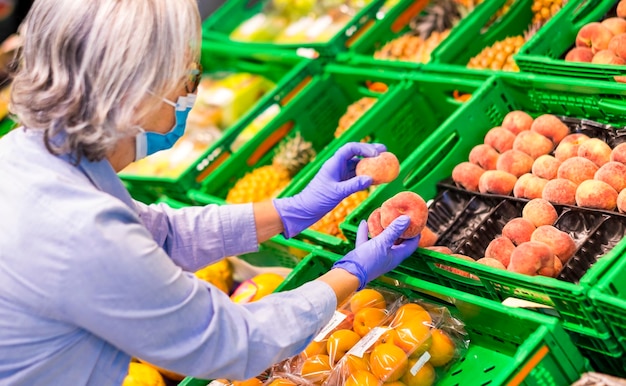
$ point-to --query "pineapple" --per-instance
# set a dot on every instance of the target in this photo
(268, 181)
(329, 224)
(353, 113)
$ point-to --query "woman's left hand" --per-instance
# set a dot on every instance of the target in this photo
(335, 181)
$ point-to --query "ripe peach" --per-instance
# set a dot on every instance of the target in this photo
(621, 9)
(373, 223)
(618, 154)
(413, 336)
(467, 175)
(497, 182)
(594, 35)
(316, 369)
(577, 169)
(596, 194)
(362, 378)
(550, 127)
(441, 249)
(560, 191)
(367, 297)
(367, 318)
(517, 121)
(532, 258)
(568, 147)
(607, 57)
(616, 25)
(423, 377)
(613, 173)
(561, 243)
(405, 203)
(546, 166)
(558, 266)
(484, 156)
(382, 168)
(533, 144)
(621, 201)
(595, 150)
(539, 212)
(488, 261)
(388, 362)
(408, 312)
(315, 348)
(515, 162)
(579, 54)
(518, 230)
(339, 343)
(617, 44)
(428, 238)
(500, 249)
(500, 139)
(442, 349)
(529, 186)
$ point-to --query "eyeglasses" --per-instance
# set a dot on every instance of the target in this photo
(193, 81)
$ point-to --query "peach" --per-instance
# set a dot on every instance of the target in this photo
(617, 44)
(539, 212)
(621, 9)
(405, 203)
(616, 25)
(594, 35)
(546, 166)
(428, 238)
(560, 191)
(577, 169)
(607, 57)
(529, 186)
(500, 249)
(367, 318)
(518, 230)
(373, 223)
(596, 194)
(497, 182)
(517, 121)
(515, 162)
(491, 263)
(561, 243)
(382, 168)
(484, 156)
(621, 201)
(500, 139)
(595, 150)
(579, 54)
(618, 154)
(440, 249)
(550, 127)
(467, 174)
(568, 147)
(532, 258)
(613, 173)
(533, 144)
(340, 342)
(558, 266)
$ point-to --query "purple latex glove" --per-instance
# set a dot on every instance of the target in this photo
(373, 258)
(335, 181)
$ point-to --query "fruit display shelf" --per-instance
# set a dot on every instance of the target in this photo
(229, 19)
(507, 346)
(469, 220)
(287, 71)
(403, 117)
(545, 53)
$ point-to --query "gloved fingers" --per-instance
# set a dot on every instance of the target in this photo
(403, 250)
(351, 149)
(354, 185)
(394, 230)
(361, 233)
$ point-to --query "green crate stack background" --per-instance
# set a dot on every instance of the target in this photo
(419, 119)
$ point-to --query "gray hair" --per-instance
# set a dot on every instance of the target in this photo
(87, 67)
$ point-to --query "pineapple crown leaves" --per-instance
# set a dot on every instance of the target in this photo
(293, 154)
(439, 16)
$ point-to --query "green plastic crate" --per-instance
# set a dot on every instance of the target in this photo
(451, 144)
(288, 71)
(6, 125)
(544, 53)
(508, 346)
(607, 364)
(219, 26)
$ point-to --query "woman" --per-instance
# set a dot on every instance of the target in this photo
(91, 277)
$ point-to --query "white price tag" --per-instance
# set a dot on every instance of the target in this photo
(420, 363)
(367, 341)
(217, 383)
(336, 320)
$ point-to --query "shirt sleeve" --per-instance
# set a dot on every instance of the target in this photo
(196, 236)
(123, 287)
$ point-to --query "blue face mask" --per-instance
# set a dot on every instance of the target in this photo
(147, 143)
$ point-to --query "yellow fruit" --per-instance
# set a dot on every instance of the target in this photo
(281, 382)
(362, 378)
(499, 56)
(166, 373)
(329, 224)
(259, 286)
(316, 369)
(140, 374)
(388, 362)
(424, 376)
(353, 113)
(248, 382)
(367, 318)
(219, 274)
(442, 348)
(367, 297)
(340, 342)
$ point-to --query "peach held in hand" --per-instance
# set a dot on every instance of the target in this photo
(382, 168)
(405, 203)
(373, 223)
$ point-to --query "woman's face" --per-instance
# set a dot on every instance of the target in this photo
(164, 118)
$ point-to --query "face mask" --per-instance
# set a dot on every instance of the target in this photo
(147, 143)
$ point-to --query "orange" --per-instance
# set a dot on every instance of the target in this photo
(362, 378)
(410, 311)
(339, 342)
(413, 337)
(388, 362)
(140, 374)
(352, 363)
(394, 383)
(316, 369)
(442, 349)
(367, 318)
(248, 382)
(367, 297)
(424, 377)
(282, 382)
(315, 348)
